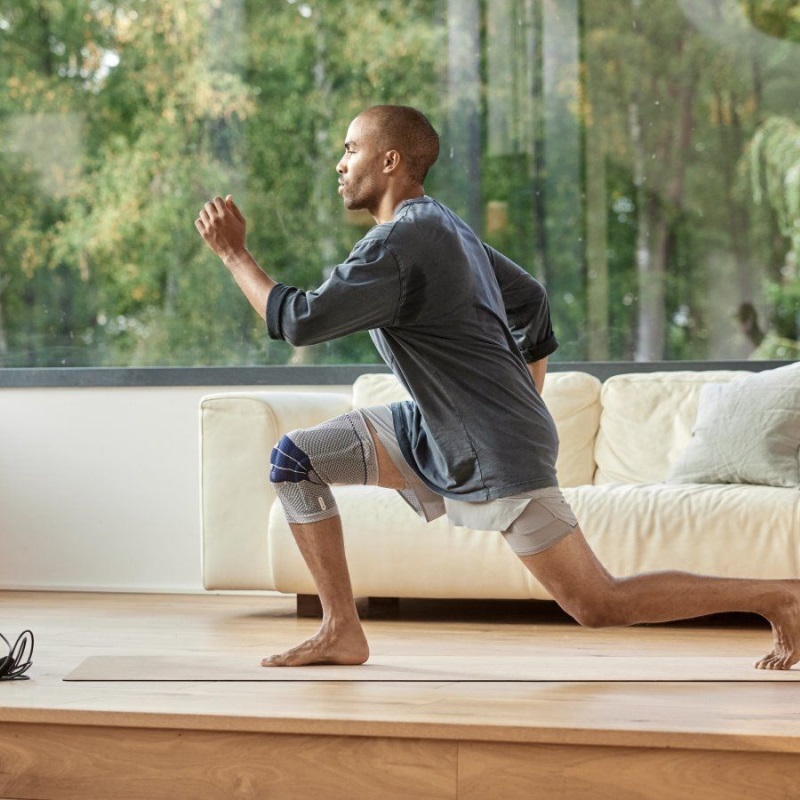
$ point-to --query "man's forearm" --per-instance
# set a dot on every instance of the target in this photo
(538, 370)
(223, 228)
(251, 279)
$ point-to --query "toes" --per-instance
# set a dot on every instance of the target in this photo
(773, 661)
(786, 661)
(310, 652)
(287, 659)
(768, 662)
(763, 662)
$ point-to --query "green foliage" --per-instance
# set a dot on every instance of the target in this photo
(783, 300)
(775, 170)
(119, 118)
(775, 177)
(178, 101)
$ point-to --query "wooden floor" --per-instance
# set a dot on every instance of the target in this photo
(375, 740)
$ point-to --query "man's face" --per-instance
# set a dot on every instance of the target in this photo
(362, 181)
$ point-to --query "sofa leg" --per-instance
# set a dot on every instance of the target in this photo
(309, 605)
(383, 606)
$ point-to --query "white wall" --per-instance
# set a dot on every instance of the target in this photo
(100, 487)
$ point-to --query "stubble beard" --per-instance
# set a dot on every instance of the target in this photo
(355, 200)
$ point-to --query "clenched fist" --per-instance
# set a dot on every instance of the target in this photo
(222, 227)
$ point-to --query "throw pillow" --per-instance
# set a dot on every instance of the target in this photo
(747, 431)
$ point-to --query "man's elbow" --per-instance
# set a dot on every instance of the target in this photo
(301, 335)
(297, 337)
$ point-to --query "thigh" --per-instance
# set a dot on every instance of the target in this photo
(393, 472)
(569, 569)
(389, 476)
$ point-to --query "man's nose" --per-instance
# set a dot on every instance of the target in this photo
(340, 167)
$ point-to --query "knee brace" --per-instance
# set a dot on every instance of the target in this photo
(304, 463)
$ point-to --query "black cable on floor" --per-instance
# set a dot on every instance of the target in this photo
(19, 658)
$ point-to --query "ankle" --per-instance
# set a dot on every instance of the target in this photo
(778, 601)
(340, 621)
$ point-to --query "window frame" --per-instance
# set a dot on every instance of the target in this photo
(319, 375)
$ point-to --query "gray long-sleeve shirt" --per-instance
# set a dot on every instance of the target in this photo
(456, 322)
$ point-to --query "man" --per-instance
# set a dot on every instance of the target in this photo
(468, 333)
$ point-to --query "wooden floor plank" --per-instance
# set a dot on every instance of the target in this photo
(389, 740)
(90, 763)
(71, 627)
(519, 772)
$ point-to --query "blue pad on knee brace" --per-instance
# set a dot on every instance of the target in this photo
(289, 463)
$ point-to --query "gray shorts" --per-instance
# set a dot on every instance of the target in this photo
(530, 522)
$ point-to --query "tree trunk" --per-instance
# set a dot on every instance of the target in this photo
(464, 108)
(642, 250)
(644, 345)
(651, 345)
(598, 345)
(652, 329)
(3, 337)
(656, 214)
(538, 166)
(738, 215)
(321, 168)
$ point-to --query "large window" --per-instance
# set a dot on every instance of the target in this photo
(642, 159)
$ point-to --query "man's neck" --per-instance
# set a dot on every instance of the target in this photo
(392, 200)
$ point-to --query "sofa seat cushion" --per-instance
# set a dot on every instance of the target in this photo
(730, 531)
(391, 552)
(726, 530)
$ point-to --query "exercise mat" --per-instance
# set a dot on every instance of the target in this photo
(438, 669)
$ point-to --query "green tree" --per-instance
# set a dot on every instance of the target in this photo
(119, 118)
(775, 177)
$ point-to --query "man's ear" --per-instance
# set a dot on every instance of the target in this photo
(391, 161)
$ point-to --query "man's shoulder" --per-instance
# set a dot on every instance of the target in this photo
(369, 248)
(416, 223)
(385, 234)
(372, 249)
(421, 209)
(416, 218)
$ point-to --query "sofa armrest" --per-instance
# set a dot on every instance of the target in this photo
(237, 433)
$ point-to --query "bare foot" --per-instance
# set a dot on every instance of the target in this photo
(347, 646)
(785, 632)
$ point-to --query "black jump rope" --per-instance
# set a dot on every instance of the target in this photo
(18, 661)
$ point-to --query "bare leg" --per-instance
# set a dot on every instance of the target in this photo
(340, 639)
(574, 577)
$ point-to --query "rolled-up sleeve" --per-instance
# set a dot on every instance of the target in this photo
(527, 308)
(361, 294)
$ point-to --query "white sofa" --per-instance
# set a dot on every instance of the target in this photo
(618, 442)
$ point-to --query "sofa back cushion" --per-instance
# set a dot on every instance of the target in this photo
(573, 399)
(378, 390)
(646, 422)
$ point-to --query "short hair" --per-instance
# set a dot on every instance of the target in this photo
(408, 131)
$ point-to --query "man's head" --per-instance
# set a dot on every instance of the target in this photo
(387, 149)
(407, 131)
